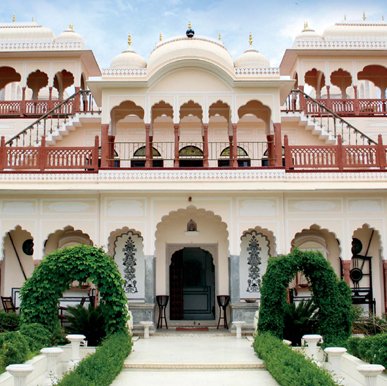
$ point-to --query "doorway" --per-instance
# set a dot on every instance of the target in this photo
(192, 285)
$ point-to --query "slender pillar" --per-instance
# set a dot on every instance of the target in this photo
(23, 102)
(270, 150)
(356, 101)
(278, 145)
(234, 279)
(302, 99)
(77, 103)
(346, 269)
(150, 279)
(328, 97)
(235, 146)
(148, 146)
(205, 145)
(176, 128)
(104, 145)
(231, 146)
(111, 139)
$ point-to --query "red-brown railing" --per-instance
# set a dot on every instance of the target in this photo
(335, 157)
(44, 158)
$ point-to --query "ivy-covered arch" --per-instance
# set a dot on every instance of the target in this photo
(58, 270)
(331, 295)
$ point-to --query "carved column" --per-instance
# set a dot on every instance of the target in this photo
(205, 145)
(328, 97)
(302, 99)
(278, 145)
(77, 102)
(104, 145)
(111, 139)
(346, 269)
(234, 279)
(150, 279)
(176, 128)
(148, 146)
(235, 146)
(23, 102)
(356, 101)
(270, 150)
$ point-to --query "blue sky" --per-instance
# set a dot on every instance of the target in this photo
(105, 24)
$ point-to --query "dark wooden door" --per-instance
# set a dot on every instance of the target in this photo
(176, 286)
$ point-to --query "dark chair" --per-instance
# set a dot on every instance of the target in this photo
(223, 301)
(8, 305)
(162, 301)
(83, 300)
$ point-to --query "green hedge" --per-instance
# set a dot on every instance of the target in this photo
(13, 349)
(9, 321)
(331, 296)
(101, 368)
(371, 349)
(288, 367)
(36, 335)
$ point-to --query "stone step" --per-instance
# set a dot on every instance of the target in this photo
(193, 366)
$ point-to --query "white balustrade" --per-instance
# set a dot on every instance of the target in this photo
(75, 340)
(312, 340)
(239, 325)
(146, 325)
(20, 373)
(51, 353)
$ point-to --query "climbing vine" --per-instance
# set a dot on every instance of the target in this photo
(58, 270)
(331, 295)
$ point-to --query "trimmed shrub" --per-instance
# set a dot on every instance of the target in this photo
(371, 349)
(331, 296)
(53, 276)
(101, 368)
(288, 367)
(13, 349)
(36, 335)
(9, 321)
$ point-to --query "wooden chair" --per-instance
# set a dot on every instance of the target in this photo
(8, 305)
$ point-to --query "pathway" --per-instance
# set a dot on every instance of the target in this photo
(191, 360)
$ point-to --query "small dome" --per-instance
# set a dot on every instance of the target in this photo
(252, 59)
(128, 58)
(70, 36)
(14, 32)
(308, 33)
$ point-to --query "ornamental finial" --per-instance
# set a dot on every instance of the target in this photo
(14, 18)
(306, 25)
(71, 26)
(33, 19)
(251, 39)
(383, 18)
(161, 37)
(130, 39)
(345, 17)
(364, 16)
(189, 25)
(220, 36)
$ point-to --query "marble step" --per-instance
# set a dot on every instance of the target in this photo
(193, 366)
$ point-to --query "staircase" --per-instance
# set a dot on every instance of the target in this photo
(327, 124)
(194, 359)
(58, 122)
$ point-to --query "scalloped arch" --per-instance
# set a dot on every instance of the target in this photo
(15, 228)
(376, 230)
(264, 231)
(116, 233)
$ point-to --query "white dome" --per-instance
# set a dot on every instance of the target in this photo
(252, 59)
(357, 30)
(199, 48)
(128, 59)
(70, 36)
(14, 32)
(308, 33)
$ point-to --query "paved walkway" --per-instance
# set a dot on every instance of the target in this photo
(193, 360)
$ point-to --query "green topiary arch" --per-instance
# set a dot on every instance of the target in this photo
(53, 276)
(331, 295)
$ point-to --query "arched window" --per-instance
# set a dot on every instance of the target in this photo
(190, 157)
(138, 160)
(242, 157)
(116, 159)
(265, 158)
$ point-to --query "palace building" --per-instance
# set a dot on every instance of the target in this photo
(192, 168)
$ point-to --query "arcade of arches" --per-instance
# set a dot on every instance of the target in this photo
(193, 262)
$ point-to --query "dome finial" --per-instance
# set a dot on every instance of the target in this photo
(71, 26)
(364, 16)
(130, 39)
(345, 17)
(382, 17)
(189, 25)
(161, 37)
(33, 19)
(306, 25)
(13, 18)
(190, 32)
(251, 39)
(220, 36)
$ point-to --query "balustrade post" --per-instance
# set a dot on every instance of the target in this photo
(148, 147)
(23, 102)
(176, 129)
(356, 101)
(346, 268)
(270, 150)
(50, 105)
(340, 153)
(77, 102)
(43, 155)
(235, 146)
(277, 145)
(381, 153)
(329, 104)
(205, 145)
(111, 139)
(231, 151)
(302, 99)
(104, 145)
(3, 154)
(288, 154)
(95, 153)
